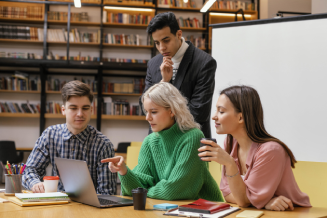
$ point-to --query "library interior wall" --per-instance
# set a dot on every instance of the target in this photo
(269, 8)
(319, 6)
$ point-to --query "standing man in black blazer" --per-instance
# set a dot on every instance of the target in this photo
(188, 68)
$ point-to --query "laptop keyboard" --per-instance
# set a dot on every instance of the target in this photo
(107, 202)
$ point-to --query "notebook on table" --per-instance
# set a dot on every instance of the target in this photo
(78, 184)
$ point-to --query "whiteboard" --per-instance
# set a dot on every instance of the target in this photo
(286, 62)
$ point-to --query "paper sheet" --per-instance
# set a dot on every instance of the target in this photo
(203, 215)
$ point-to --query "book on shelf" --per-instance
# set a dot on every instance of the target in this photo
(19, 82)
(21, 32)
(12, 107)
(124, 60)
(187, 22)
(176, 3)
(20, 55)
(124, 18)
(122, 39)
(30, 12)
(38, 197)
(137, 86)
(234, 5)
(198, 42)
(63, 16)
(128, 1)
(119, 107)
(57, 84)
(75, 35)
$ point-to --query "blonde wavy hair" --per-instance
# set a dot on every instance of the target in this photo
(166, 95)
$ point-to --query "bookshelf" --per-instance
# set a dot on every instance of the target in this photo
(70, 56)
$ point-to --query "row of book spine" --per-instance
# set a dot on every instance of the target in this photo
(11, 107)
(31, 12)
(194, 23)
(31, 56)
(234, 5)
(20, 55)
(197, 42)
(126, 18)
(75, 35)
(119, 107)
(176, 3)
(122, 39)
(21, 32)
(18, 83)
(128, 1)
(52, 107)
(137, 86)
(63, 16)
(57, 84)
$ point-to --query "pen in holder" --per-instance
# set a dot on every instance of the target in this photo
(13, 183)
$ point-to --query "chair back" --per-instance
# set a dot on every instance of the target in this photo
(8, 152)
(122, 147)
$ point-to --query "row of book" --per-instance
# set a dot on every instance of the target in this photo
(31, 12)
(122, 39)
(63, 16)
(126, 18)
(194, 23)
(128, 1)
(136, 86)
(10, 107)
(119, 107)
(176, 3)
(20, 82)
(197, 42)
(31, 56)
(21, 32)
(233, 5)
(124, 60)
(20, 55)
(57, 84)
(52, 107)
(60, 35)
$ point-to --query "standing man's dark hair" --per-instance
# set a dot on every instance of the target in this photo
(189, 69)
(162, 20)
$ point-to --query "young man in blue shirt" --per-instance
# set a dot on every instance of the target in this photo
(73, 140)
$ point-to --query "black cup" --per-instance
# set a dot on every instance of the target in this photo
(139, 198)
(210, 139)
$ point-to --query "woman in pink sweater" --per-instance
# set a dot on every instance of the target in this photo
(257, 167)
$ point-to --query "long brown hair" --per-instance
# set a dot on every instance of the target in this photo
(246, 100)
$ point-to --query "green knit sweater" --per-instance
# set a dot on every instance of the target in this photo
(170, 169)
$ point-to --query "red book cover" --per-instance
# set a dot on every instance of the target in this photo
(204, 206)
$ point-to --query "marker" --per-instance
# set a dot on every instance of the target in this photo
(9, 167)
(23, 168)
(8, 170)
(17, 172)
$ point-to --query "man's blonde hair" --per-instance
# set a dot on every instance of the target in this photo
(166, 95)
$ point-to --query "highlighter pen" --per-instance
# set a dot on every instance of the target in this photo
(23, 168)
(9, 167)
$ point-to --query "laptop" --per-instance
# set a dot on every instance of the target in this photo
(78, 184)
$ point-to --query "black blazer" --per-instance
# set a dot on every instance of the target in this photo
(195, 79)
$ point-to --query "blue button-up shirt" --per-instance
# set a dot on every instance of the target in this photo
(57, 141)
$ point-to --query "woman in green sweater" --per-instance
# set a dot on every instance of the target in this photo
(168, 163)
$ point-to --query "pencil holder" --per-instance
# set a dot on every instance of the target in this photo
(13, 183)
